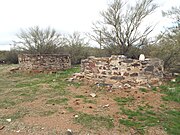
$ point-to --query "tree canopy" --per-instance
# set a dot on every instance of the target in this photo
(36, 40)
(121, 25)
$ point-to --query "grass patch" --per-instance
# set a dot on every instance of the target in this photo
(94, 121)
(17, 115)
(26, 84)
(70, 109)
(154, 88)
(172, 91)
(171, 122)
(90, 101)
(80, 96)
(47, 113)
(143, 89)
(57, 101)
(7, 103)
(75, 84)
(59, 90)
(172, 94)
(123, 100)
(85, 99)
(139, 119)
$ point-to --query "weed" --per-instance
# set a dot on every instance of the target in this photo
(162, 106)
(163, 87)
(85, 99)
(17, 115)
(123, 100)
(154, 88)
(172, 94)
(80, 96)
(75, 84)
(171, 122)
(70, 109)
(47, 113)
(89, 101)
(148, 106)
(129, 123)
(172, 91)
(143, 89)
(7, 103)
(57, 101)
(139, 119)
(94, 121)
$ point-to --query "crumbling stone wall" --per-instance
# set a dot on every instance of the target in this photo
(119, 71)
(44, 62)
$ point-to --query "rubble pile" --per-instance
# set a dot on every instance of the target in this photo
(119, 71)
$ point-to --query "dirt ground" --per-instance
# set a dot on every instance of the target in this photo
(42, 116)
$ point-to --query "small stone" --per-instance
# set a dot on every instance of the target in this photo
(128, 61)
(117, 78)
(149, 69)
(93, 95)
(8, 120)
(76, 116)
(171, 88)
(148, 85)
(78, 75)
(176, 74)
(173, 80)
(127, 85)
(2, 127)
(126, 74)
(70, 79)
(106, 106)
(69, 132)
(18, 131)
(134, 74)
(116, 86)
(63, 112)
(14, 69)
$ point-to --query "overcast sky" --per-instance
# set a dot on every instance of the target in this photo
(65, 16)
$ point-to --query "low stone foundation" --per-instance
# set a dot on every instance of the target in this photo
(119, 71)
(44, 62)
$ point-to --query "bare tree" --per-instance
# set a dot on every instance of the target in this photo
(38, 41)
(122, 23)
(174, 14)
(77, 47)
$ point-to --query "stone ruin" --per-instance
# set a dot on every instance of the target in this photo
(37, 63)
(118, 71)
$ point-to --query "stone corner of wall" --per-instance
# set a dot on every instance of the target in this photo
(120, 69)
(44, 62)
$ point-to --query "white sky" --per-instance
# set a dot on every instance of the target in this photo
(63, 15)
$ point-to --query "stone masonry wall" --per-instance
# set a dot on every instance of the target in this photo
(44, 62)
(119, 71)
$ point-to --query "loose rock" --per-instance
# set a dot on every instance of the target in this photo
(69, 132)
(93, 95)
(8, 120)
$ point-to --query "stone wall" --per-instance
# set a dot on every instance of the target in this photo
(44, 62)
(119, 71)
